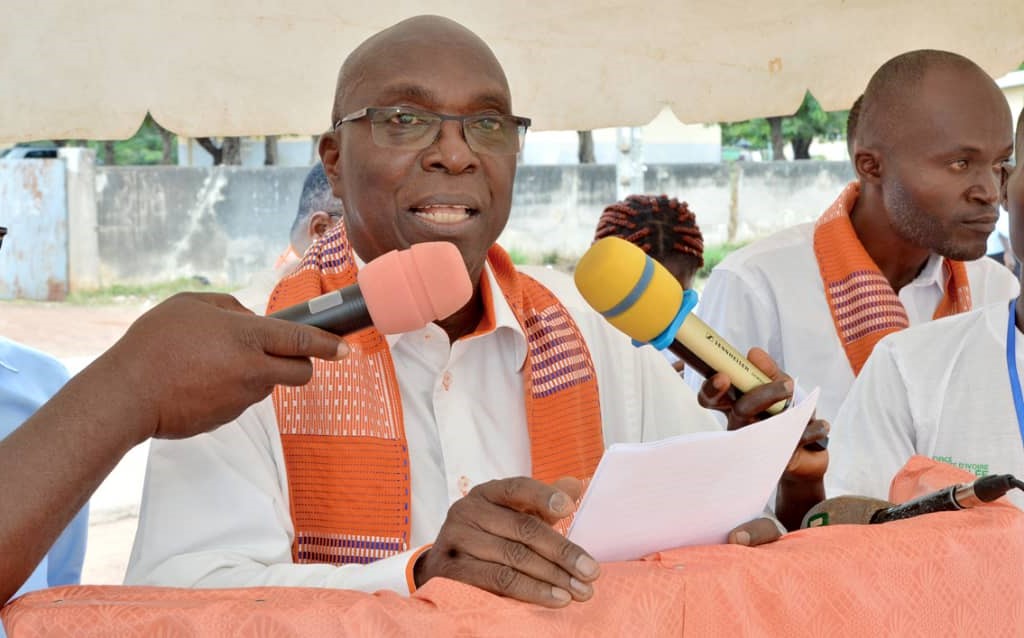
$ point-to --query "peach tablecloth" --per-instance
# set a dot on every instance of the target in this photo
(955, 573)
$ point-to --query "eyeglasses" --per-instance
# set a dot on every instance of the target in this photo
(3, 233)
(413, 129)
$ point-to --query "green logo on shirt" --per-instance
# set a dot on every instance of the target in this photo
(978, 469)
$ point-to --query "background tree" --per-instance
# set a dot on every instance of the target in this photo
(585, 151)
(270, 150)
(800, 129)
(228, 153)
(151, 144)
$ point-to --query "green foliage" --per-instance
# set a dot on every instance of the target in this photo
(550, 258)
(748, 133)
(713, 255)
(518, 257)
(145, 147)
(155, 292)
(810, 121)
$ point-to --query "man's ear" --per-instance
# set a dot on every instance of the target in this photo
(330, 156)
(318, 224)
(867, 163)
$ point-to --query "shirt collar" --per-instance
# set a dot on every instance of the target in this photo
(7, 352)
(505, 321)
(933, 273)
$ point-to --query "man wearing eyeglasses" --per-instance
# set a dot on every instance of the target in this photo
(392, 469)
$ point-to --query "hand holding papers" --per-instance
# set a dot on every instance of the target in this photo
(686, 490)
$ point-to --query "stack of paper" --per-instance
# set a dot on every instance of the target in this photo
(686, 490)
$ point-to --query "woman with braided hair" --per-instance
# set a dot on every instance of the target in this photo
(665, 228)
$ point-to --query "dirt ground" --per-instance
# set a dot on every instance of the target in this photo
(76, 334)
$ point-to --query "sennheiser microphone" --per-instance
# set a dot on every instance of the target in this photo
(640, 297)
(862, 510)
(400, 291)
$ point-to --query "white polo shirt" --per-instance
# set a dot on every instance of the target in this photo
(770, 294)
(941, 390)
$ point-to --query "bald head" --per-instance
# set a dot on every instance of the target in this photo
(893, 97)
(851, 123)
(420, 35)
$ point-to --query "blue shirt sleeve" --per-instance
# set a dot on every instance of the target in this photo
(28, 379)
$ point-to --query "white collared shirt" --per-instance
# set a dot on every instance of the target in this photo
(770, 294)
(941, 390)
(215, 507)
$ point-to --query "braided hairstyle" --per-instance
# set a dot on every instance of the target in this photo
(666, 229)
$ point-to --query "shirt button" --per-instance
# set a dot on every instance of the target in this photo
(464, 485)
(446, 381)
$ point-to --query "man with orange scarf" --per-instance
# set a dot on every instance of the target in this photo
(903, 244)
(949, 390)
(389, 469)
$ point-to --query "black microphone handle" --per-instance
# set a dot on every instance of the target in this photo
(941, 501)
(340, 312)
(955, 497)
(698, 364)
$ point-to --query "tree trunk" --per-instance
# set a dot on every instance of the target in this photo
(585, 152)
(778, 144)
(169, 141)
(211, 148)
(108, 153)
(735, 173)
(270, 150)
(232, 151)
(801, 147)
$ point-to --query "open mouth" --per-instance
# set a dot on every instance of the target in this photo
(444, 214)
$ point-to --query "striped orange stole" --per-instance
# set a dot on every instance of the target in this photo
(864, 306)
(343, 434)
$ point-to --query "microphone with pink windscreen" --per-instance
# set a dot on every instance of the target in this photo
(400, 291)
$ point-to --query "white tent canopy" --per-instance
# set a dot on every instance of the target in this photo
(75, 69)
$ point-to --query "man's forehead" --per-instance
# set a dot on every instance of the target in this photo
(433, 53)
(947, 106)
(480, 95)
(430, 78)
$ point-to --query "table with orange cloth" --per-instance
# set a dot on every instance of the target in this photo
(945, 574)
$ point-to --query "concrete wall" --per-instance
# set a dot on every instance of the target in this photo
(766, 196)
(225, 223)
(83, 240)
(556, 208)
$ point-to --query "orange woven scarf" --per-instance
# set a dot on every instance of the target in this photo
(343, 435)
(864, 306)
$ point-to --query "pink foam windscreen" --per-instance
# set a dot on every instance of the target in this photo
(405, 290)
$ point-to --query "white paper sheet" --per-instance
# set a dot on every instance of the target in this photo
(686, 490)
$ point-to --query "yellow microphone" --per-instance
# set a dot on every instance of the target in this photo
(641, 298)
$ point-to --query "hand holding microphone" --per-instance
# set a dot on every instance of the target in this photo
(400, 291)
(641, 298)
(862, 510)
